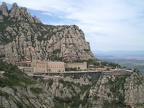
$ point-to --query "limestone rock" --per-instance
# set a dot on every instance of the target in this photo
(4, 9)
(37, 20)
(134, 89)
(14, 11)
(17, 14)
(25, 98)
(28, 41)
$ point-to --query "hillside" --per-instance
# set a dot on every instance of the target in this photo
(23, 37)
(17, 90)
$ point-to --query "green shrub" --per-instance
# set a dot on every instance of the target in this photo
(6, 95)
(36, 90)
(50, 82)
(13, 76)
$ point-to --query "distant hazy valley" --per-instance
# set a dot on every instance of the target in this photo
(129, 59)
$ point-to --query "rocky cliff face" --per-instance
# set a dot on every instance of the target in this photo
(25, 98)
(47, 94)
(17, 90)
(105, 91)
(118, 92)
(24, 37)
(84, 92)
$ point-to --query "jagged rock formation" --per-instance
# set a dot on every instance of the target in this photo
(17, 90)
(134, 90)
(48, 94)
(4, 9)
(17, 14)
(25, 98)
(25, 38)
(105, 91)
(118, 92)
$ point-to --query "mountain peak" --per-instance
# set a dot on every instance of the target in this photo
(16, 14)
(14, 11)
(23, 37)
(4, 9)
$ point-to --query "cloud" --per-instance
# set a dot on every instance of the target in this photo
(109, 24)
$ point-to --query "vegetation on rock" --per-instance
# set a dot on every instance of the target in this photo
(13, 76)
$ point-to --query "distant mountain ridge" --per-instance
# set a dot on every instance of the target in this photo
(130, 59)
(23, 37)
(120, 52)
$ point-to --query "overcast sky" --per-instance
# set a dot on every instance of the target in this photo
(107, 24)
